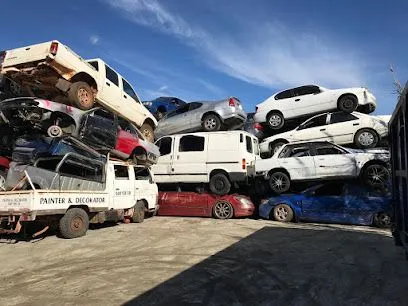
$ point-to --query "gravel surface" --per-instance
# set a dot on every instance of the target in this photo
(193, 261)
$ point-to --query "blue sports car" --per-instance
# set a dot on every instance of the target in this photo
(162, 105)
(331, 203)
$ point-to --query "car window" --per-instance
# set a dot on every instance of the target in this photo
(129, 90)
(195, 105)
(294, 151)
(299, 152)
(328, 150)
(121, 172)
(314, 122)
(284, 94)
(94, 64)
(256, 146)
(49, 163)
(103, 114)
(249, 144)
(75, 167)
(164, 145)
(142, 173)
(127, 126)
(334, 189)
(306, 90)
(180, 110)
(341, 117)
(112, 76)
(191, 143)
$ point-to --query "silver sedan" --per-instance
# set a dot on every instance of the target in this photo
(207, 116)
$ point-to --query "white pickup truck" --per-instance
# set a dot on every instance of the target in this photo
(52, 71)
(124, 192)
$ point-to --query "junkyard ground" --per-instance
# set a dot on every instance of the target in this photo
(187, 261)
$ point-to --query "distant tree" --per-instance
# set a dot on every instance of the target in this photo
(397, 85)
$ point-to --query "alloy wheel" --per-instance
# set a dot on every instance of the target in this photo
(210, 123)
(275, 120)
(222, 210)
(281, 213)
(279, 182)
(377, 175)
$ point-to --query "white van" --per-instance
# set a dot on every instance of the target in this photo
(217, 158)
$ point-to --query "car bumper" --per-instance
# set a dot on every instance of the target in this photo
(244, 211)
(264, 211)
(235, 120)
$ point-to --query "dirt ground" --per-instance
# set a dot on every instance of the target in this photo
(192, 261)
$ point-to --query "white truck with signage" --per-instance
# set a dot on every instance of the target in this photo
(125, 192)
(53, 71)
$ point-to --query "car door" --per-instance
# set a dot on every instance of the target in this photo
(167, 202)
(192, 204)
(286, 103)
(342, 127)
(313, 129)
(132, 104)
(163, 168)
(306, 100)
(176, 121)
(325, 204)
(145, 187)
(194, 116)
(190, 162)
(298, 161)
(124, 187)
(333, 161)
(111, 92)
(99, 128)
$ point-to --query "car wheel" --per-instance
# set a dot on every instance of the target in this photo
(139, 212)
(3, 176)
(382, 220)
(81, 95)
(223, 210)
(275, 146)
(275, 120)
(376, 175)
(365, 139)
(147, 131)
(211, 123)
(348, 103)
(74, 223)
(283, 213)
(54, 131)
(279, 182)
(220, 184)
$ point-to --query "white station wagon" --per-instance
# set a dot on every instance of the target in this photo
(304, 101)
(364, 131)
(314, 161)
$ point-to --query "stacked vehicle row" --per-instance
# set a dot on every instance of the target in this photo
(84, 131)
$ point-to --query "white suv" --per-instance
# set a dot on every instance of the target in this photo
(310, 161)
(307, 100)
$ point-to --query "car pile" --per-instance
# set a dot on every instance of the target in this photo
(74, 125)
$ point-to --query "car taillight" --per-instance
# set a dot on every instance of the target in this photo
(243, 164)
(258, 126)
(2, 56)
(231, 102)
(54, 48)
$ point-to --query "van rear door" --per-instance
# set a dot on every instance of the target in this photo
(250, 152)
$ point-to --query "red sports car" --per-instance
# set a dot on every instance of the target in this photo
(192, 204)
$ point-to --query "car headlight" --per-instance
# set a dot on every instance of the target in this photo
(245, 202)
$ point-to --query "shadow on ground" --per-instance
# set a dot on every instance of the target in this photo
(286, 266)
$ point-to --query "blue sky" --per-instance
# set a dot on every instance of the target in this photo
(208, 49)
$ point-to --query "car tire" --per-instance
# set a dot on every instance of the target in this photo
(3, 176)
(382, 220)
(283, 213)
(223, 210)
(81, 95)
(139, 212)
(376, 175)
(220, 184)
(274, 146)
(366, 139)
(211, 123)
(279, 182)
(275, 120)
(147, 131)
(347, 103)
(55, 131)
(74, 223)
